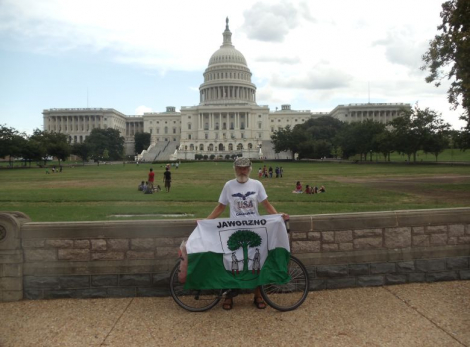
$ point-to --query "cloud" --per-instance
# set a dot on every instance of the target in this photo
(270, 23)
(402, 48)
(318, 79)
(280, 60)
(142, 109)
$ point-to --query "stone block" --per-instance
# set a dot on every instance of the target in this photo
(382, 268)
(314, 235)
(368, 243)
(312, 272)
(142, 244)
(405, 266)
(153, 292)
(467, 229)
(104, 281)
(36, 282)
(98, 245)
(417, 230)
(338, 283)
(397, 237)
(457, 263)
(81, 244)
(33, 294)
(328, 236)
(167, 241)
(317, 285)
(117, 244)
(108, 255)
(343, 236)
(438, 239)
(74, 254)
(436, 229)
(135, 280)
(298, 236)
(91, 293)
(421, 240)
(12, 270)
(305, 246)
(162, 252)
(395, 279)
(59, 243)
(431, 265)
(35, 255)
(128, 292)
(59, 294)
(359, 269)
(463, 240)
(12, 295)
(370, 281)
(416, 277)
(332, 271)
(330, 247)
(367, 233)
(140, 255)
(464, 274)
(441, 276)
(456, 230)
(347, 246)
(11, 283)
(452, 241)
(69, 282)
(33, 243)
(160, 279)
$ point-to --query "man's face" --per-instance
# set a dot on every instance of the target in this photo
(242, 173)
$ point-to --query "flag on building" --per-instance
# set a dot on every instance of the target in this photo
(238, 253)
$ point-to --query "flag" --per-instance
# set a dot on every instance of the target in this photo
(238, 253)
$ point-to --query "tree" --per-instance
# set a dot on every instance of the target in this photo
(82, 150)
(436, 143)
(11, 142)
(142, 141)
(244, 239)
(56, 144)
(101, 139)
(360, 138)
(288, 139)
(448, 56)
(33, 150)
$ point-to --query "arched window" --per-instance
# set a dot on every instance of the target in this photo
(230, 147)
(201, 147)
(221, 147)
(189, 126)
(210, 148)
(250, 146)
(191, 147)
(239, 147)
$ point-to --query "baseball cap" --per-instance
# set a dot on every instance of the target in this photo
(242, 162)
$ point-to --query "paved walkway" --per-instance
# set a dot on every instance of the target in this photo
(406, 315)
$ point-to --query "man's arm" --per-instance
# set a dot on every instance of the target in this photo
(217, 211)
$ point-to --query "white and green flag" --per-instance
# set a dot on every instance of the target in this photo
(238, 253)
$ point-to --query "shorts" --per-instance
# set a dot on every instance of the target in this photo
(167, 184)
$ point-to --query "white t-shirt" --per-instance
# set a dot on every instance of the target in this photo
(243, 197)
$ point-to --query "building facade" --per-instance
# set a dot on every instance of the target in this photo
(226, 121)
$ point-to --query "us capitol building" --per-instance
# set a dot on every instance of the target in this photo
(227, 120)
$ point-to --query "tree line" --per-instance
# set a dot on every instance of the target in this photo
(41, 146)
(416, 129)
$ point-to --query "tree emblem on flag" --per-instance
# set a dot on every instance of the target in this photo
(244, 239)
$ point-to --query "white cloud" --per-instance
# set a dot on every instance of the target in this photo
(139, 111)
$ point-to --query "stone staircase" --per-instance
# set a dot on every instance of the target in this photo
(269, 153)
(161, 151)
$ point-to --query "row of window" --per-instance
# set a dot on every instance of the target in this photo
(211, 147)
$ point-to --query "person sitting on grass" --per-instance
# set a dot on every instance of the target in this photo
(322, 189)
(308, 189)
(298, 188)
(148, 189)
(140, 188)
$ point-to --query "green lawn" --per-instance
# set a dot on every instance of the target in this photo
(101, 192)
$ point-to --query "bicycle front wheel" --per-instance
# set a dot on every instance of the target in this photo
(190, 299)
(288, 296)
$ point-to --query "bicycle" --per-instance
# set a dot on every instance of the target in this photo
(282, 297)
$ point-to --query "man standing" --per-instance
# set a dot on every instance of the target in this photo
(151, 178)
(167, 179)
(243, 194)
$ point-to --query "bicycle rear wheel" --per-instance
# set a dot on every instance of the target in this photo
(190, 299)
(288, 296)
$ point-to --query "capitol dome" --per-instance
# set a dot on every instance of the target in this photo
(227, 79)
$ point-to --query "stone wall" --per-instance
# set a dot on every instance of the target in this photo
(134, 258)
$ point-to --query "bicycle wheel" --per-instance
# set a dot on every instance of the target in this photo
(190, 299)
(288, 296)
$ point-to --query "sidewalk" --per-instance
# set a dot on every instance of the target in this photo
(435, 314)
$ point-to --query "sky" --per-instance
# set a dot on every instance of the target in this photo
(144, 55)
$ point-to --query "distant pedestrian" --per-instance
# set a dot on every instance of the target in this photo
(277, 171)
(270, 172)
(281, 171)
(167, 179)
